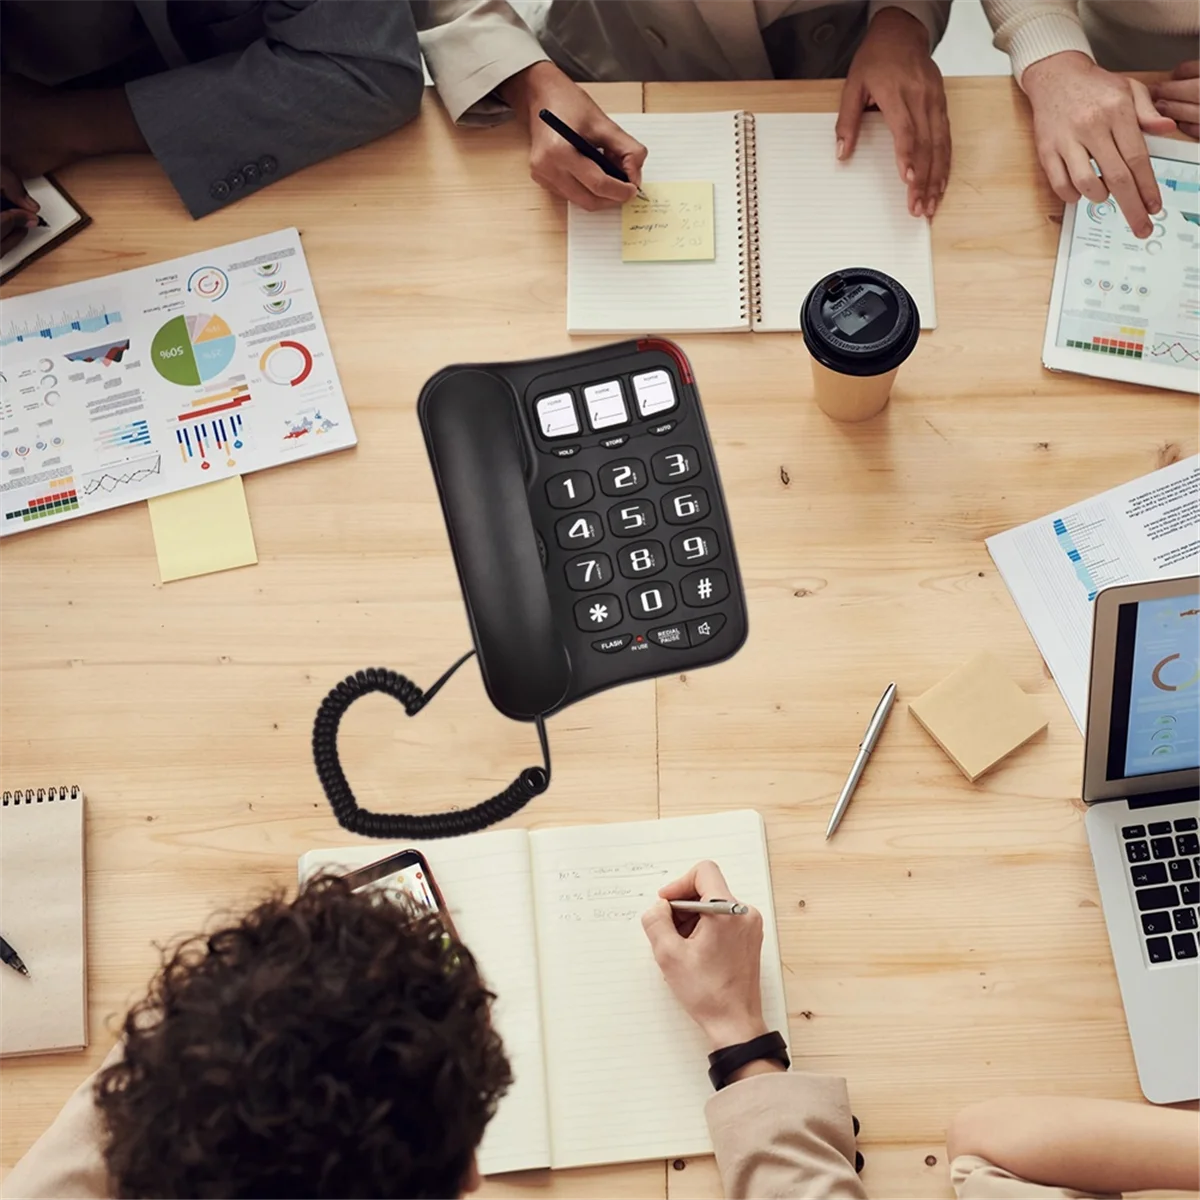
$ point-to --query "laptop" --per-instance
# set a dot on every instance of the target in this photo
(1141, 782)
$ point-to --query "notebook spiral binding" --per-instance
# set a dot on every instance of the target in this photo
(40, 795)
(751, 272)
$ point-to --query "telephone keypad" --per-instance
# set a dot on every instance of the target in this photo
(676, 464)
(651, 600)
(632, 517)
(570, 489)
(589, 571)
(596, 613)
(642, 560)
(578, 530)
(685, 505)
(623, 477)
(693, 547)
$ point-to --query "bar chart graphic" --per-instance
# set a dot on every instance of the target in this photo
(59, 497)
(1082, 571)
(132, 433)
(202, 442)
(91, 319)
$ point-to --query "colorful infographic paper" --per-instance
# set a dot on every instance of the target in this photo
(162, 378)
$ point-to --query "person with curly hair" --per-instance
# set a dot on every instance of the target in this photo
(336, 1044)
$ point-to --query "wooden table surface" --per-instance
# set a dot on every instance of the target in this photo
(948, 945)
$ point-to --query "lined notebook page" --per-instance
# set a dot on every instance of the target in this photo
(42, 886)
(627, 1069)
(817, 215)
(606, 295)
(485, 880)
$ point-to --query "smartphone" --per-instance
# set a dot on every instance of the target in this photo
(405, 875)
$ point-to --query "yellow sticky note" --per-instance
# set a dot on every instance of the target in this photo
(202, 530)
(673, 224)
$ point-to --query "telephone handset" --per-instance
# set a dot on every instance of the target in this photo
(589, 531)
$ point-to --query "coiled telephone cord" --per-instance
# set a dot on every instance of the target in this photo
(533, 781)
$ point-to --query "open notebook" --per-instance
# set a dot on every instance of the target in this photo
(786, 213)
(42, 917)
(608, 1067)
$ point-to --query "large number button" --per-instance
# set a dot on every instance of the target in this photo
(685, 505)
(594, 613)
(627, 520)
(606, 404)
(651, 600)
(702, 588)
(694, 546)
(588, 571)
(578, 530)
(642, 560)
(556, 415)
(569, 489)
(675, 465)
(622, 478)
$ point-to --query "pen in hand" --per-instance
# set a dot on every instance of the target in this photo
(11, 958)
(584, 147)
(719, 908)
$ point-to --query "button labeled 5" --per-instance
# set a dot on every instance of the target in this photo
(637, 516)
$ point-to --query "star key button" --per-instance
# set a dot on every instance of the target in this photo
(594, 614)
(702, 588)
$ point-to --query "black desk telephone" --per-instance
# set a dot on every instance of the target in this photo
(589, 530)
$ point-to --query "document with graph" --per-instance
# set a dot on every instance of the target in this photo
(1054, 566)
(1128, 308)
(161, 378)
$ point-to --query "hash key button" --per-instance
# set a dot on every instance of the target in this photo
(595, 613)
(700, 629)
(702, 588)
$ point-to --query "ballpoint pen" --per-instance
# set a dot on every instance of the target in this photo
(860, 759)
(716, 908)
(584, 147)
(11, 958)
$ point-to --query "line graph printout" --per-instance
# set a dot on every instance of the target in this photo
(1144, 530)
(162, 378)
(1133, 301)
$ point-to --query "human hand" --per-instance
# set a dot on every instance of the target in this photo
(1179, 98)
(711, 963)
(1083, 112)
(15, 222)
(893, 70)
(553, 162)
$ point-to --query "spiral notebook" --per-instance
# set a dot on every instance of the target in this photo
(42, 907)
(785, 213)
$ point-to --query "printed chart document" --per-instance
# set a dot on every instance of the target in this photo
(1054, 567)
(608, 1067)
(162, 378)
(1128, 308)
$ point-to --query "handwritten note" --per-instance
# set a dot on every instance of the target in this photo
(673, 224)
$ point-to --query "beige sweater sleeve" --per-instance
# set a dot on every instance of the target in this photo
(977, 1179)
(1030, 30)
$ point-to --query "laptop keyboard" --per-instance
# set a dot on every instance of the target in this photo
(1164, 867)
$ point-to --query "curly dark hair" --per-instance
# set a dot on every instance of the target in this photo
(336, 1044)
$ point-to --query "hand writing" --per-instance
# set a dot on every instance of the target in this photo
(1082, 112)
(894, 71)
(553, 162)
(1179, 97)
(15, 222)
(711, 963)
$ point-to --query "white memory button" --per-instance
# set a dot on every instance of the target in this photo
(654, 392)
(605, 404)
(556, 415)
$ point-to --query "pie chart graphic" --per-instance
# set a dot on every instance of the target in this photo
(192, 349)
(286, 362)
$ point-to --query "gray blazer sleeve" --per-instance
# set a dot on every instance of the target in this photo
(327, 76)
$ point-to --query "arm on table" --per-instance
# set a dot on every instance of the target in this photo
(327, 75)
(67, 1161)
(1072, 1146)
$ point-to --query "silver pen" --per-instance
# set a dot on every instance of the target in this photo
(874, 729)
(720, 908)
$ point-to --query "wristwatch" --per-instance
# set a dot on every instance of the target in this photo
(729, 1059)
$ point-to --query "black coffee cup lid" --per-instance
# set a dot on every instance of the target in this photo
(859, 322)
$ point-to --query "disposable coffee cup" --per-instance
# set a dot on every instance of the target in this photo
(859, 326)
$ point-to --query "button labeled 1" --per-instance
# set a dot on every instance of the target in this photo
(569, 489)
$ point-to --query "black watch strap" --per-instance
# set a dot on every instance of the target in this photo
(724, 1062)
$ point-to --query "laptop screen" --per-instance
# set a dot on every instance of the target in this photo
(1155, 722)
